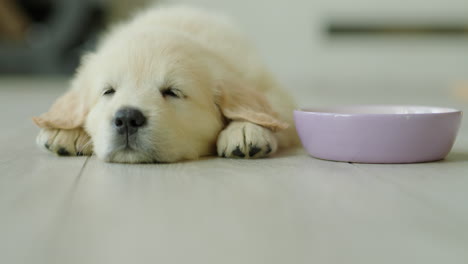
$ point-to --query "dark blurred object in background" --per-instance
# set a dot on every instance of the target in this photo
(47, 36)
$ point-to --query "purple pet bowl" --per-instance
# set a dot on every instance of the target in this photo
(378, 134)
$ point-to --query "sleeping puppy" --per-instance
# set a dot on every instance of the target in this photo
(172, 84)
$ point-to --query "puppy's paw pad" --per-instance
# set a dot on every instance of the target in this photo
(238, 152)
(253, 150)
(63, 152)
(268, 150)
(246, 140)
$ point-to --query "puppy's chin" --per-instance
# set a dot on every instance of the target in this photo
(127, 155)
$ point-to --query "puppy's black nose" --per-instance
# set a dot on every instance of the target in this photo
(128, 120)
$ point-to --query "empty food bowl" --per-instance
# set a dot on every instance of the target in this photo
(378, 133)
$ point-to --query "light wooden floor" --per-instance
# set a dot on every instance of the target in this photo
(287, 209)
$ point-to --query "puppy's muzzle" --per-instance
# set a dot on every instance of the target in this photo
(128, 120)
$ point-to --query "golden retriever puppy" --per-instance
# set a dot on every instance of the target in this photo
(172, 84)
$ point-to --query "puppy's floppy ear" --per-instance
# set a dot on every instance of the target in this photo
(70, 110)
(237, 102)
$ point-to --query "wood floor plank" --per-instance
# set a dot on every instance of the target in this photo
(213, 210)
(290, 208)
(35, 186)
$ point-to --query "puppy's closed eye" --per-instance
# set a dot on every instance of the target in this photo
(172, 92)
(108, 91)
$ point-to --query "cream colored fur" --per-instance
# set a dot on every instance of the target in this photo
(229, 103)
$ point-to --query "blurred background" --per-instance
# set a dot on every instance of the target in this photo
(330, 46)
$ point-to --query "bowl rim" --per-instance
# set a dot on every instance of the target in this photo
(328, 110)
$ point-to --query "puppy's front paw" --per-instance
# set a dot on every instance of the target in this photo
(246, 140)
(73, 142)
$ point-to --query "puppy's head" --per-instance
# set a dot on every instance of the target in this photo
(155, 98)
